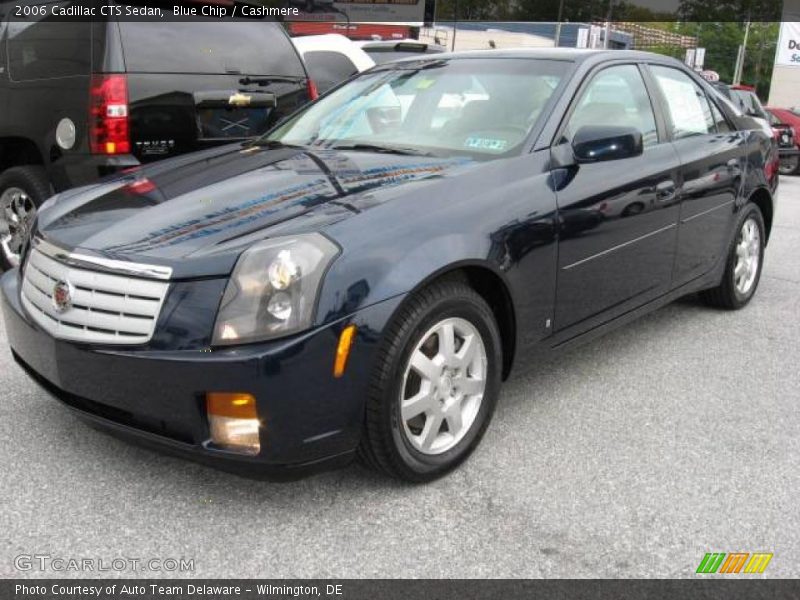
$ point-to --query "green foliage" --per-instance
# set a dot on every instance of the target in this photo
(708, 20)
(721, 41)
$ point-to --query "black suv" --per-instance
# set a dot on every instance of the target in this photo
(79, 100)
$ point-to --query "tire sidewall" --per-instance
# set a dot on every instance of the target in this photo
(424, 466)
(751, 211)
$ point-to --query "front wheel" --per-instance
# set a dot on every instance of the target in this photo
(744, 263)
(435, 384)
(789, 165)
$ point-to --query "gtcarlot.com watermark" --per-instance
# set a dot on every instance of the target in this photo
(119, 564)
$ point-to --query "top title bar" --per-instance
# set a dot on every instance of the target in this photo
(410, 12)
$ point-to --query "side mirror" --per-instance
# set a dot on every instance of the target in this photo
(595, 143)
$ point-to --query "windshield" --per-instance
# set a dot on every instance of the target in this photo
(480, 107)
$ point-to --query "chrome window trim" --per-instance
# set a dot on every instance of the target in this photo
(117, 267)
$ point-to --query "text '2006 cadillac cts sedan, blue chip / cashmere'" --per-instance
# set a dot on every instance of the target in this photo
(360, 280)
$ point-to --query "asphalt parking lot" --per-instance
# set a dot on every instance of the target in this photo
(629, 457)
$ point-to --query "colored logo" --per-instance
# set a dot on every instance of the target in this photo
(62, 296)
(239, 99)
(734, 562)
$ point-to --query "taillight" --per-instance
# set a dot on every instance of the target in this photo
(313, 92)
(109, 130)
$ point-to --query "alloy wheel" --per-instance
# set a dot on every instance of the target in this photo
(748, 256)
(443, 386)
(17, 211)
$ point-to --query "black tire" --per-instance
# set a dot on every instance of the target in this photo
(384, 444)
(790, 165)
(726, 295)
(32, 179)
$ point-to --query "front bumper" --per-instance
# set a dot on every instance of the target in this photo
(311, 421)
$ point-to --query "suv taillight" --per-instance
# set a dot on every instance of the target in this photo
(109, 130)
(313, 92)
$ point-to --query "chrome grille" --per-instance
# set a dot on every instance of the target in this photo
(105, 308)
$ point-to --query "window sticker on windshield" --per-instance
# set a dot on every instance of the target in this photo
(479, 143)
(424, 84)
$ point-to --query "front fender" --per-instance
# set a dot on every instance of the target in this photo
(501, 218)
(358, 281)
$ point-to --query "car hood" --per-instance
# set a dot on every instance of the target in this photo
(197, 213)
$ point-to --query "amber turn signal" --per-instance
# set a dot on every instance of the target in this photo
(233, 421)
(236, 405)
(343, 350)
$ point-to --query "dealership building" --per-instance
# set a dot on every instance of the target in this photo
(785, 89)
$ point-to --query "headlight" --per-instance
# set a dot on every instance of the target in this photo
(273, 289)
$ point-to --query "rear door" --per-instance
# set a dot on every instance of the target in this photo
(711, 152)
(618, 218)
(199, 83)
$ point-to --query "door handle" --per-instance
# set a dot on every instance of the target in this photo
(666, 190)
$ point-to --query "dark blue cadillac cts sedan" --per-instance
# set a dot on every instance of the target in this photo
(359, 281)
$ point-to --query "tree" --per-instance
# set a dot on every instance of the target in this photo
(721, 40)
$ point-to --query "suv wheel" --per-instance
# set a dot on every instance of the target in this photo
(435, 384)
(22, 191)
(744, 263)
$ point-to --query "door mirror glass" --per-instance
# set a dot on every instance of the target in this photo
(594, 143)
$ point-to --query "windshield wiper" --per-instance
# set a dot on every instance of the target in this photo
(383, 149)
(271, 79)
(275, 144)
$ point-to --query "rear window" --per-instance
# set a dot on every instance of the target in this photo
(328, 68)
(213, 47)
(749, 103)
(49, 48)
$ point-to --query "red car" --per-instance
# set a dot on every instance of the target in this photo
(790, 165)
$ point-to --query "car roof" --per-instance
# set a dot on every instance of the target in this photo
(389, 44)
(577, 55)
(334, 42)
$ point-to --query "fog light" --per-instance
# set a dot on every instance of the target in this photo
(233, 421)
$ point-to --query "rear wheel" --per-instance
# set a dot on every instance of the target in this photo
(435, 384)
(22, 191)
(744, 264)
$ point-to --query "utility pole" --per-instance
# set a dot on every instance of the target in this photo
(558, 22)
(455, 24)
(739, 69)
(608, 24)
